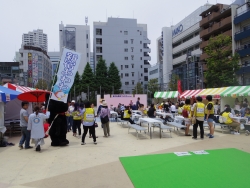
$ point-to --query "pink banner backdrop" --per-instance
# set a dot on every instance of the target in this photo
(115, 99)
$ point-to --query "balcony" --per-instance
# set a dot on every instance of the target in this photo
(147, 50)
(148, 58)
(242, 34)
(146, 41)
(216, 27)
(209, 18)
(242, 16)
(244, 50)
(203, 56)
(146, 62)
(203, 44)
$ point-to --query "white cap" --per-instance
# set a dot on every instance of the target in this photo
(73, 101)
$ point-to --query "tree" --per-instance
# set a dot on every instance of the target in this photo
(138, 89)
(153, 85)
(173, 84)
(42, 84)
(221, 63)
(101, 76)
(87, 81)
(114, 79)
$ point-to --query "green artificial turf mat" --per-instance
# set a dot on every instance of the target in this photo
(225, 168)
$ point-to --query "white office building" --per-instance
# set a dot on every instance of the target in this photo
(36, 38)
(179, 50)
(77, 38)
(92, 62)
(55, 58)
(124, 42)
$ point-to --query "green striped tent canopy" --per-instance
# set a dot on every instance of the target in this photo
(235, 91)
(166, 94)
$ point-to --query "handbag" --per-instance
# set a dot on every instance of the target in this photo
(96, 125)
(105, 119)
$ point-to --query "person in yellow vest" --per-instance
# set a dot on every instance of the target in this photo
(228, 116)
(186, 113)
(88, 122)
(209, 111)
(127, 115)
(199, 114)
(77, 119)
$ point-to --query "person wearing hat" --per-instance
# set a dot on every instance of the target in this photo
(105, 115)
(100, 106)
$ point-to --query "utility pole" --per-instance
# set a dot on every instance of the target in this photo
(112, 89)
(100, 91)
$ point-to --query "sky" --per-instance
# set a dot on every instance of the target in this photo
(21, 16)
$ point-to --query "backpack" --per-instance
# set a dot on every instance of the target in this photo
(185, 113)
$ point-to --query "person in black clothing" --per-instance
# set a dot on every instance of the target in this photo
(151, 111)
(138, 103)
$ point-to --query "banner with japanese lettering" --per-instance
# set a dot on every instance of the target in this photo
(68, 67)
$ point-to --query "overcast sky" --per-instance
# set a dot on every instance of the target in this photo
(21, 16)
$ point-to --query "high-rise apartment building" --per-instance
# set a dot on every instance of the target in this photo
(124, 42)
(77, 38)
(242, 40)
(55, 60)
(36, 38)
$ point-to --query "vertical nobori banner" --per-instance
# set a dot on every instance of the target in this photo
(68, 67)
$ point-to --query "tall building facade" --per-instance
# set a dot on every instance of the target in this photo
(77, 38)
(36, 38)
(34, 64)
(242, 40)
(178, 49)
(124, 42)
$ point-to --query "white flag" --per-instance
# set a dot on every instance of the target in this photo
(68, 67)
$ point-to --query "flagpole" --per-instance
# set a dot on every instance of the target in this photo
(53, 81)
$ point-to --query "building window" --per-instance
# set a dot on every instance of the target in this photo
(121, 67)
(132, 66)
(87, 54)
(98, 57)
(140, 50)
(125, 32)
(141, 83)
(126, 66)
(141, 74)
(98, 49)
(145, 78)
(132, 49)
(141, 66)
(132, 57)
(125, 41)
(132, 41)
(98, 40)
(126, 50)
(98, 32)
(127, 92)
(126, 58)
(126, 83)
(145, 70)
(141, 58)
(140, 42)
(133, 82)
(121, 75)
(87, 45)
(132, 74)
(126, 75)
(87, 36)
(140, 32)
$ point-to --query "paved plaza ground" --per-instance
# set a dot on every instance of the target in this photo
(97, 166)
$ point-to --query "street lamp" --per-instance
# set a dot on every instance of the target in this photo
(187, 65)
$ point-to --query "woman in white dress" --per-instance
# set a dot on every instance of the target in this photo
(35, 125)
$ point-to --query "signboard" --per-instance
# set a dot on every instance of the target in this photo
(30, 70)
(122, 95)
(35, 68)
(177, 30)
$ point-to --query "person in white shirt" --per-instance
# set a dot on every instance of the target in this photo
(35, 125)
(70, 110)
(173, 109)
